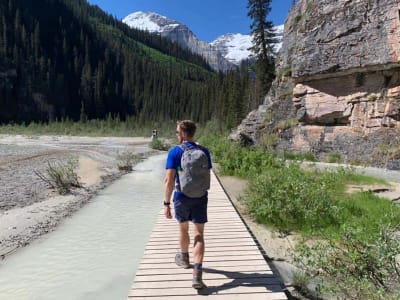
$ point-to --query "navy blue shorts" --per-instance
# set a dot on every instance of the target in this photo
(190, 209)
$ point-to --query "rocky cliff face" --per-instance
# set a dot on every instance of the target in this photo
(339, 72)
(183, 36)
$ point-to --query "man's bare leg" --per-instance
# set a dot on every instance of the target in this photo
(184, 239)
(182, 258)
(199, 245)
(198, 255)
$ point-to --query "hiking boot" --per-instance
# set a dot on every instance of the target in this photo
(182, 261)
(197, 282)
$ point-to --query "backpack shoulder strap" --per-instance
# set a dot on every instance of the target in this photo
(183, 147)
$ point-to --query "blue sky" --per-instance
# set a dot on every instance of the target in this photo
(208, 19)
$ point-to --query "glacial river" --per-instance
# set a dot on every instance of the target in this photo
(95, 253)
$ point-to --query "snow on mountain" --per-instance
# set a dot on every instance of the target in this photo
(180, 34)
(222, 53)
(279, 35)
(235, 46)
(149, 21)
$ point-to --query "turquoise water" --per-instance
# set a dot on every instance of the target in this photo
(95, 253)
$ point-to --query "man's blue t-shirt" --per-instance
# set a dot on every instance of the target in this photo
(174, 161)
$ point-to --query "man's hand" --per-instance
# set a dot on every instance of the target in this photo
(169, 183)
(167, 212)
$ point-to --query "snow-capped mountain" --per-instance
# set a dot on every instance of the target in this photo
(224, 53)
(179, 33)
(150, 21)
(235, 46)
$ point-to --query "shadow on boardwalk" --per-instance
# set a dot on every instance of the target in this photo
(267, 281)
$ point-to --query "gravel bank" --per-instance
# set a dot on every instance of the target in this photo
(29, 208)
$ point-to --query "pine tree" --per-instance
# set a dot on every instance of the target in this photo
(36, 41)
(3, 38)
(264, 38)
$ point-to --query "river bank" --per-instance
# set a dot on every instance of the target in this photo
(29, 208)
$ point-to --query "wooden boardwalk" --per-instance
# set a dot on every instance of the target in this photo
(233, 266)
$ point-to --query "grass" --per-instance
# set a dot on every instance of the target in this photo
(334, 157)
(111, 126)
(301, 156)
(366, 210)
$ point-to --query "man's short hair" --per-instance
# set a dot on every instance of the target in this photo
(188, 126)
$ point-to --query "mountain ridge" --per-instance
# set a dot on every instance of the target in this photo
(179, 33)
(233, 47)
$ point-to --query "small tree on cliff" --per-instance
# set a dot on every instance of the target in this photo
(264, 38)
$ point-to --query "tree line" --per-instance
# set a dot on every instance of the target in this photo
(66, 59)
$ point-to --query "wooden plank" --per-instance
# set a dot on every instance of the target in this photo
(188, 291)
(245, 254)
(210, 244)
(217, 296)
(207, 259)
(219, 249)
(227, 269)
(206, 276)
(210, 282)
(215, 264)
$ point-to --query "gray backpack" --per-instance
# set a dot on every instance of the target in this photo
(195, 176)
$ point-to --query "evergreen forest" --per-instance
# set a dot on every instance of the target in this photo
(66, 59)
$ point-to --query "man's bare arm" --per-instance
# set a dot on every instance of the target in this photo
(169, 183)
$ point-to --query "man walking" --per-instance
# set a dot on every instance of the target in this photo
(188, 178)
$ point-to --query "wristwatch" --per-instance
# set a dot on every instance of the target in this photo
(167, 203)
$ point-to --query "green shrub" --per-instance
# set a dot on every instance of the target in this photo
(289, 199)
(301, 156)
(269, 141)
(300, 281)
(61, 176)
(334, 158)
(244, 162)
(159, 145)
(285, 124)
(357, 268)
(126, 160)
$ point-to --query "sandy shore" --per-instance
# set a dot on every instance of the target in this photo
(29, 207)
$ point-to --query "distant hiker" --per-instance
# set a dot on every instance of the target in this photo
(154, 134)
(188, 177)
